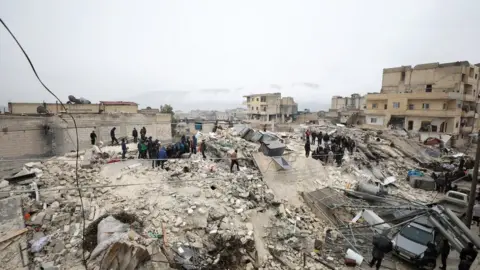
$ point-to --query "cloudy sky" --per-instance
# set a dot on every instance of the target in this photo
(207, 54)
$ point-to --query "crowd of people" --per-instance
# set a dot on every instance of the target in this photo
(148, 148)
(329, 149)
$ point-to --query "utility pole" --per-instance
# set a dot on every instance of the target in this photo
(473, 188)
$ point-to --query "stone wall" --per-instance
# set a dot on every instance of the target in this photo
(33, 136)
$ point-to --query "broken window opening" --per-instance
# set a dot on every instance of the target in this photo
(425, 126)
(373, 120)
(374, 105)
(428, 88)
(410, 125)
(402, 77)
(263, 99)
(385, 106)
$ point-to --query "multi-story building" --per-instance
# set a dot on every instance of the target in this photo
(270, 107)
(348, 110)
(427, 98)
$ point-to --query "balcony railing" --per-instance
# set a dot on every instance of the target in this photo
(468, 114)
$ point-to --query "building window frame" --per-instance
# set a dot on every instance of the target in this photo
(396, 105)
(426, 106)
(428, 88)
(373, 120)
(411, 106)
(374, 105)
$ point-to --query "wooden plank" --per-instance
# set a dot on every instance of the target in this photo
(13, 234)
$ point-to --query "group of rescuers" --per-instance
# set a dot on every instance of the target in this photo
(152, 149)
(331, 150)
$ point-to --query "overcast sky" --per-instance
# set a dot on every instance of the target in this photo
(158, 51)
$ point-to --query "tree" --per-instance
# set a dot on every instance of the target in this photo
(167, 109)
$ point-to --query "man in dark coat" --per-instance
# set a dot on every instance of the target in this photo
(93, 137)
(381, 246)
(307, 148)
(135, 135)
(444, 251)
(112, 134)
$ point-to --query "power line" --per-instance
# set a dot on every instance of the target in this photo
(74, 123)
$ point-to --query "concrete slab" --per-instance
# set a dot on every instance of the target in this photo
(287, 184)
(13, 253)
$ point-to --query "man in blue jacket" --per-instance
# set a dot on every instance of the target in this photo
(162, 156)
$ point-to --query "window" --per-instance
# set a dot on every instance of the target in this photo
(444, 106)
(459, 105)
(373, 120)
(264, 108)
(396, 105)
(463, 77)
(263, 99)
(434, 128)
(426, 106)
(428, 88)
(257, 108)
(385, 106)
(411, 107)
(410, 125)
(471, 72)
(456, 124)
(402, 76)
(374, 105)
(476, 76)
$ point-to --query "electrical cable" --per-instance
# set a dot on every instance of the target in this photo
(76, 132)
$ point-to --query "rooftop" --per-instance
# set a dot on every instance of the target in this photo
(118, 103)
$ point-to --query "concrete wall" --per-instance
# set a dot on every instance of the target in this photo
(23, 136)
(380, 120)
(31, 108)
(120, 108)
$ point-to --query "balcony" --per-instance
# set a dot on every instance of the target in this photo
(431, 113)
(422, 95)
(466, 129)
(468, 114)
(375, 112)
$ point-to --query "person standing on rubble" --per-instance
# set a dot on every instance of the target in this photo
(307, 135)
(339, 156)
(124, 148)
(93, 137)
(112, 134)
(307, 148)
(162, 156)
(202, 148)
(326, 138)
(314, 137)
(234, 160)
(381, 246)
(143, 133)
(143, 149)
(444, 251)
(154, 154)
(194, 144)
(330, 157)
(467, 256)
(150, 148)
(135, 135)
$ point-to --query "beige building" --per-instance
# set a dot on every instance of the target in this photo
(435, 98)
(270, 107)
(348, 110)
(54, 108)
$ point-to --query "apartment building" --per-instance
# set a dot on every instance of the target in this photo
(430, 97)
(270, 107)
(348, 110)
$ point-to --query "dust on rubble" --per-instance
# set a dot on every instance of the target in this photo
(204, 216)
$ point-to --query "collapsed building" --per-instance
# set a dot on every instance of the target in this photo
(195, 214)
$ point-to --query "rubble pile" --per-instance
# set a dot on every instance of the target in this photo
(195, 213)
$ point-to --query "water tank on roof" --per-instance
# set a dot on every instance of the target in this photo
(41, 109)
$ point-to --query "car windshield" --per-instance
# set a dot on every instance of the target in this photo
(416, 235)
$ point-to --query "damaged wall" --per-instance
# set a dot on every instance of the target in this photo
(33, 136)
